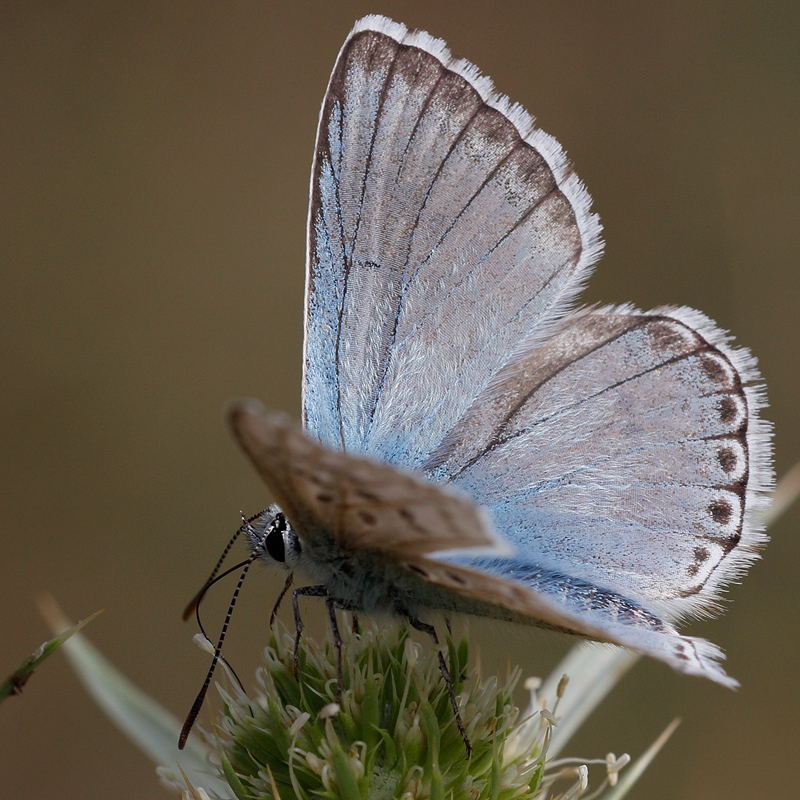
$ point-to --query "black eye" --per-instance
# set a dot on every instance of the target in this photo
(274, 544)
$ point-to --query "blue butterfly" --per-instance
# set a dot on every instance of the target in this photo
(471, 442)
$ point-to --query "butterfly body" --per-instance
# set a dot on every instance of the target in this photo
(366, 581)
(357, 580)
(470, 442)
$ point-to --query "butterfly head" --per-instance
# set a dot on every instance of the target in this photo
(272, 539)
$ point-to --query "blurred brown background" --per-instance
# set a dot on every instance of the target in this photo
(155, 160)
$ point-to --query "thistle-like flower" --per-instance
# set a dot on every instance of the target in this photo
(393, 734)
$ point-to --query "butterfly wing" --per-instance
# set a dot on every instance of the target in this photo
(337, 499)
(443, 229)
(624, 453)
(565, 604)
(353, 504)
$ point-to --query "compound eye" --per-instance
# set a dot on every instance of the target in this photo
(275, 545)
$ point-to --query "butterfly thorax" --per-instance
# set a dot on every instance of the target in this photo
(359, 581)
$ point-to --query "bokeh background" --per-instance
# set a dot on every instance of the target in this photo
(155, 160)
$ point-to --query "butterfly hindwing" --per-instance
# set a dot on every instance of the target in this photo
(348, 504)
(572, 606)
(618, 452)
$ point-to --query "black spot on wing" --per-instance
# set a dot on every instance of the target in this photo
(727, 459)
(367, 518)
(728, 410)
(456, 578)
(417, 570)
(721, 511)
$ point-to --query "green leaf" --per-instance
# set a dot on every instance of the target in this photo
(345, 779)
(17, 679)
(233, 779)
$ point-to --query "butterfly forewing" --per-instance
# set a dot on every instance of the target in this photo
(439, 236)
(353, 502)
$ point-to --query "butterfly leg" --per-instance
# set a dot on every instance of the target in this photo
(277, 605)
(356, 626)
(463, 674)
(303, 591)
(431, 631)
(337, 640)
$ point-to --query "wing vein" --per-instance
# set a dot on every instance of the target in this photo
(499, 440)
(406, 281)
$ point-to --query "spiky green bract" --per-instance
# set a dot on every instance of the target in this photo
(394, 735)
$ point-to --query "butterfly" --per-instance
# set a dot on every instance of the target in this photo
(471, 442)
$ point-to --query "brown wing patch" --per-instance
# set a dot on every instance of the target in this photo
(360, 503)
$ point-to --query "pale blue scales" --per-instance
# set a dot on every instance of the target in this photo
(472, 442)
